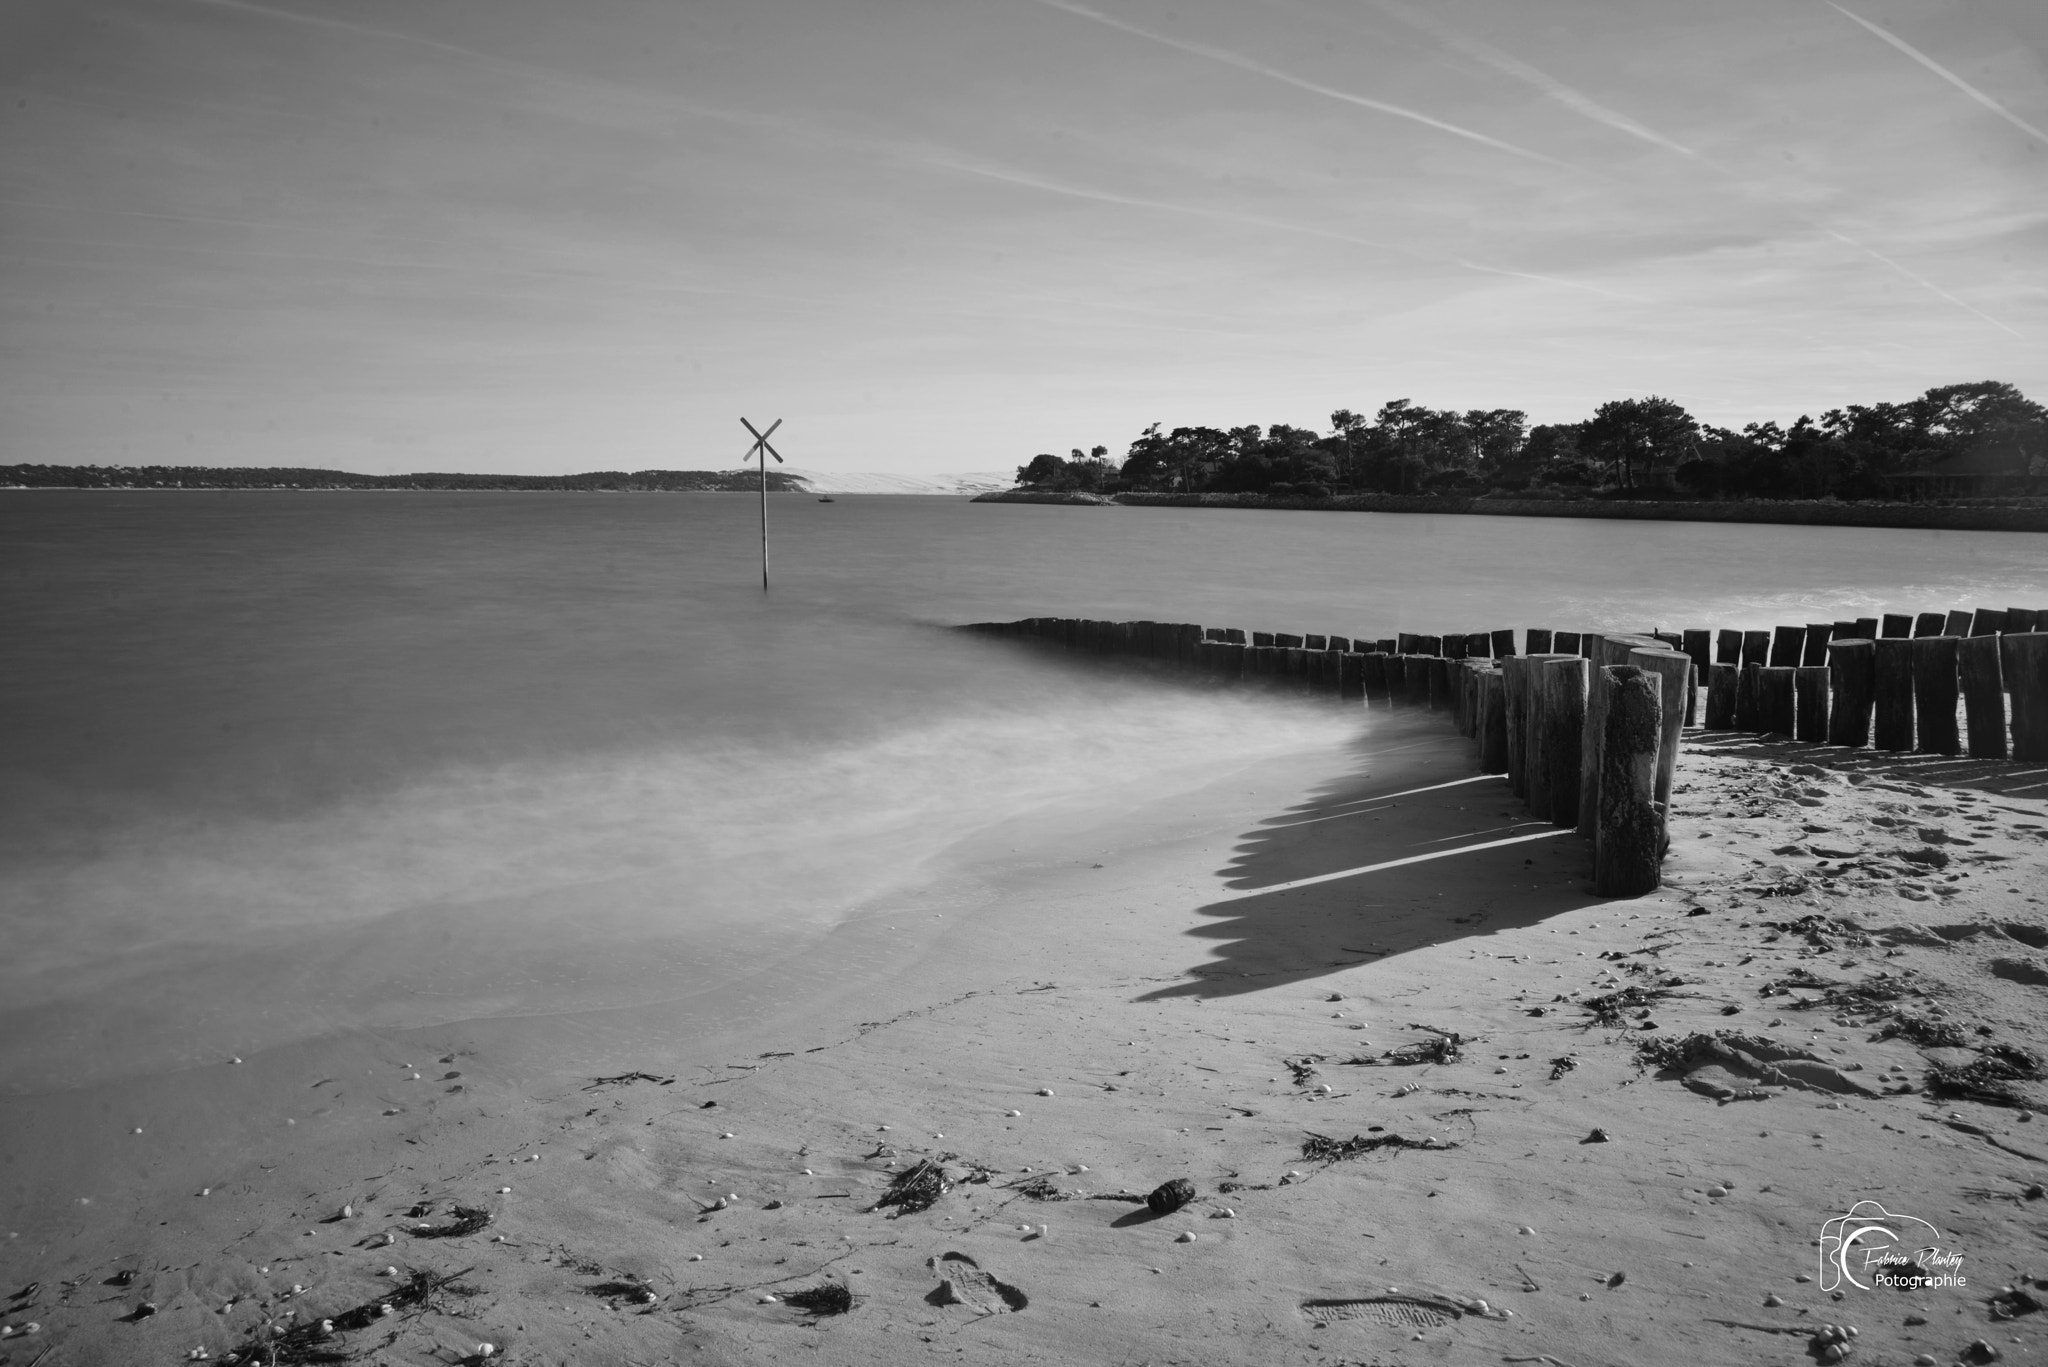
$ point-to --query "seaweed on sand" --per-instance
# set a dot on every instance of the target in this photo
(319, 1341)
(1607, 1009)
(467, 1220)
(915, 1189)
(1321, 1148)
(1985, 1078)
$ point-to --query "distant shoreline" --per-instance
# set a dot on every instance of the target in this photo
(1807, 513)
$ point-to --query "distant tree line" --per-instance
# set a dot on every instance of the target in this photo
(275, 477)
(1985, 437)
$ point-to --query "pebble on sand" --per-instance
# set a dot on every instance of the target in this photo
(1042, 1091)
(1186, 1236)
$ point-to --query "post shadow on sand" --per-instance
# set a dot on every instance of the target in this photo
(1996, 776)
(1273, 928)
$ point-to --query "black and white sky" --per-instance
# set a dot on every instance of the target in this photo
(942, 235)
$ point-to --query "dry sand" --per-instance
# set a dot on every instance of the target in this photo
(1083, 1026)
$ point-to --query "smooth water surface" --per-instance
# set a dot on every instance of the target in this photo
(283, 764)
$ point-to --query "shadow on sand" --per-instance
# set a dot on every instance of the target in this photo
(1412, 849)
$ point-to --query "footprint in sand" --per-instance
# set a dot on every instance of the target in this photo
(963, 1282)
(1400, 1312)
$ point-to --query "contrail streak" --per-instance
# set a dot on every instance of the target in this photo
(1925, 284)
(1242, 63)
(1573, 99)
(1009, 177)
(1938, 69)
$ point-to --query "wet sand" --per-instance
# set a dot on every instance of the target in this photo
(1070, 1014)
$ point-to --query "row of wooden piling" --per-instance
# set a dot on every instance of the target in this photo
(1586, 726)
(1890, 683)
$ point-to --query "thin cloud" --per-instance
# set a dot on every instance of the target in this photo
(1938, 69)
(1243, 63)
(1508, 65)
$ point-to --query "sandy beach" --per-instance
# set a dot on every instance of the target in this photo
(1560, 1130)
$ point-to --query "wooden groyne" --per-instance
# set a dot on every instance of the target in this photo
(1586, 725)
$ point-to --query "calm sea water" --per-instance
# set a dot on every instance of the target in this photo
(280, 764)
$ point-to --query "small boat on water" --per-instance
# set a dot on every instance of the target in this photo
(825, 498)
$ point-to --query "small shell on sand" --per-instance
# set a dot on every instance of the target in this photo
(1186, 1236)
(770, 1298)
(1042, 1091)
(726, 1135)
(1013, 1114)
(696, 1257)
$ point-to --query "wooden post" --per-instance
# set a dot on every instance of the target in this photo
(1817, 634)
(1478, 646)
(2020, 620)
(1340, 644)
(1607, 650)
(1958, 623)
(1503, 643)
(1987, 622)
(1896, 624)
(1404, 642)
(1372, 672)
(1852, 676)
(1262, 638)
(1464, 676)
(2023, 659)
(1756, 647)
(1311, 641)
(1982, 682)
(1439, 671)
(1386, 647)
(1351, 676)
(1810, 683)
(1746, 717)
(1455, 647)
(1786, 645)
(1537, 639)
(1514, 672)
(1846, 631)
(1561, 685)
(1493, 723)
(1894, 694)
(1286, 640)
(1721, 685)
(1865, 629)
(1727, 647)
(1934, 694)
(1234, 636)
(1776, 712)
(1417, 674)
(1700, 645)
(1397, 680)
(1928, 624)
(1673, 672)
(763, 450)
(1564, 643)
(1628, 848)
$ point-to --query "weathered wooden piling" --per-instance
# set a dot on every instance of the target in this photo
(1721, 687)
(1987, 622)
(1386, 646)
(1262, 639)
(1493, 723)
(1852, 676)
(1311, 641)
(1756, 647)
(1519, 678)
(1454, 646)
(1607, 650)
(1817, 637)
(1536, 640)
(1895, 624)
(1958, 623)
(1439, 672)
(1893, 694)
(1983, 687)
(1934, 695)
(1397, 680)
(1478, 646)
(1340, 644)
(1700, 645)
(1928, 624)
(1503, 643)
(1746, 717)
(1564, 642)
(1673, 672)
(1372, 673)
(1628, 844)
(1561, 712)
(1810, 684)
(2019, 620)
(1351, 676)
(1863, 629)
(1787, 643)
(1416, 673)
(1727, 647)
(1776, 709)
(2023, 659)
(1234, 636)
